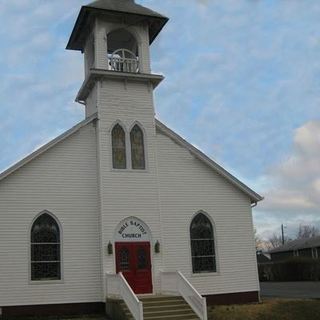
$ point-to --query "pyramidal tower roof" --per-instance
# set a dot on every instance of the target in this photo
(126, 8)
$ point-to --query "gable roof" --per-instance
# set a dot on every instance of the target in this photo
(132, 12)
(255, 197)
(298, 244)
(46, 147)
(125, 6)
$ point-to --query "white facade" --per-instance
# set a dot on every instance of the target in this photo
(62, 181)
(73, 179)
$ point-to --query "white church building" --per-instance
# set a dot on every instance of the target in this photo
(120, 206)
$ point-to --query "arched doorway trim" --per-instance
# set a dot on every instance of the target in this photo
(132, 229)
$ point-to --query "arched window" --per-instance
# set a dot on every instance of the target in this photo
(45, 249)
(137, 148)
(119, 147)
(202, 245)
(122, 51)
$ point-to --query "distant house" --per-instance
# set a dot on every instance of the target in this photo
(264, 265)
(309, 248)
(263, 257)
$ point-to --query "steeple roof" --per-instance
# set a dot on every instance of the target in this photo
(126, 8)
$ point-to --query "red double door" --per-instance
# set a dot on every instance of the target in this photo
(133, 260)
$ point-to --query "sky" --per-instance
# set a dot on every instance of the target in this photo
(242, 84)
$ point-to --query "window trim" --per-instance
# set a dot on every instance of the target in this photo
(216, 255)
(118, 122)
(137, 123)
(44, 282)
(128, 147)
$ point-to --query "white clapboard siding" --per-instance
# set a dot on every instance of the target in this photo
(63, 180)
(91, 102)
(126, 193)
(187, 186)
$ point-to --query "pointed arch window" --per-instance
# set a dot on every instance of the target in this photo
(119, 147)
(45, 249)
(202, 244)
(137, 148)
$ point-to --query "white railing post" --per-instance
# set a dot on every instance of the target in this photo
(205, 309)
(141, 310)
(184, 288)
(117, 285)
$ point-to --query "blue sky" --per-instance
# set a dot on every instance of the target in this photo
(242, 84)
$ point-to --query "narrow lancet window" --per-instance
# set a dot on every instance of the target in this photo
(137, 148)
(202, 245)
(45, 249)
(119, 148)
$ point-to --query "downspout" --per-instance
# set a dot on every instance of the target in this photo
(81, 102)
(254, 204)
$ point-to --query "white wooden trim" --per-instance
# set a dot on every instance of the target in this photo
(145, 142)
(47, 146)
(150, 238)
(39, 282)
(215, 239)
(127, 145)
(255, 197)
(151, 241)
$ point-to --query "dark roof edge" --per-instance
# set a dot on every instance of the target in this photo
(255, 197)
(82, 12)
(46, 147)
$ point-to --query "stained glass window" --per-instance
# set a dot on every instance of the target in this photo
(124, 259)
(137, 148)
(202, 245)
(119, 148)
(45, 249)
(142, 258)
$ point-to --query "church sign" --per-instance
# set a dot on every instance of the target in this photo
(132, 229)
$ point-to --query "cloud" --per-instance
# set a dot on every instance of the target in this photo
(292, 192)
(39, 79)
(297, 179)
(239, 76)
(269, 223)
(203, 2)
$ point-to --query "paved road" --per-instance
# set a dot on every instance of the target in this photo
(300, 290)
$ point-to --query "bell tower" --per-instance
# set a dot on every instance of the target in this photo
(115, 37)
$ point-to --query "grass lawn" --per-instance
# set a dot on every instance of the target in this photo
(269, 309)
(85, 317)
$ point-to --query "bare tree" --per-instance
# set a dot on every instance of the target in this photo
(275, 241)
(307, 231)
(259, 242)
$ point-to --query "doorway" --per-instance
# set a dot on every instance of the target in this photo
(133, 259)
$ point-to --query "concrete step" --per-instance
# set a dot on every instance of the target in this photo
(171, 317)
(161, 299)
(168, 313)
(163, 308)
(166, 307)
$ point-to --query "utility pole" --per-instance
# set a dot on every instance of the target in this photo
(282, 234)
